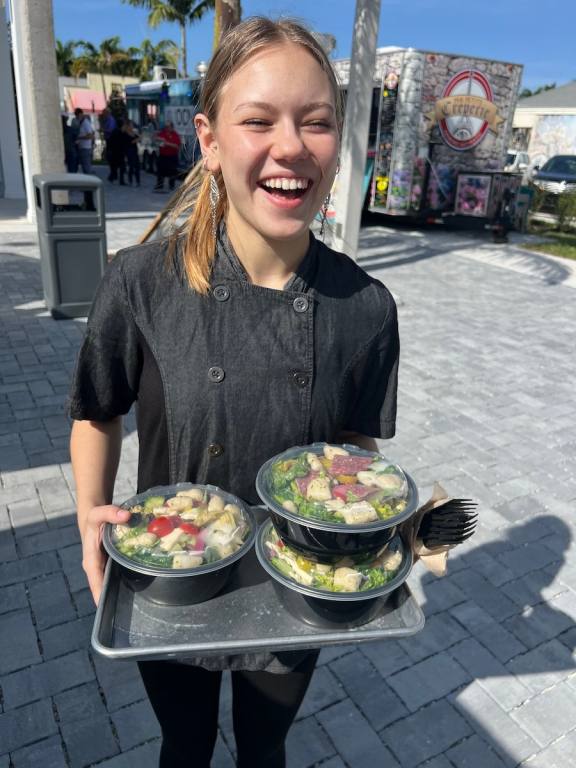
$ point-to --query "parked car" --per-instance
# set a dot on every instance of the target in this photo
(557, 175)
(516, 160)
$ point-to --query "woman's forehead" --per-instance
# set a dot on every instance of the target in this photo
(274, 72)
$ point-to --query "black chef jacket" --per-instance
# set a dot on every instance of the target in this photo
(225, 381)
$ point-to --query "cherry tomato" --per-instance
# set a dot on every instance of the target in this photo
(160, 526)
(190, 528)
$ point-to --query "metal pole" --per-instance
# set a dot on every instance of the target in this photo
(348, 203)
(36, 78)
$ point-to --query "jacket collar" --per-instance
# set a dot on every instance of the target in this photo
(228, 266)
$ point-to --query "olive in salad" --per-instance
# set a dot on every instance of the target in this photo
(349, 574)
(338, 487)
(185, 530)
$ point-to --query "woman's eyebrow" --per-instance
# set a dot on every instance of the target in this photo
(269, 108)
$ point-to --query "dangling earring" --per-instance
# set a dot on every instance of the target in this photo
(214, 198)
(324, 211)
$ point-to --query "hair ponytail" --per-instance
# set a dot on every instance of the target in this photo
(197, 231)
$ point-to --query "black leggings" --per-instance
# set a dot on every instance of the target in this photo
(185, 700)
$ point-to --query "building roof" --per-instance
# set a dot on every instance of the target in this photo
(557, 98)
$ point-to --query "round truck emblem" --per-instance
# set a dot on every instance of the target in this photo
(466, 110)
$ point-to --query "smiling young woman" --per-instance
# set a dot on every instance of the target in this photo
(304, 342)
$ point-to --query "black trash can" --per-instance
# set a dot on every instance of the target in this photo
(72, 235)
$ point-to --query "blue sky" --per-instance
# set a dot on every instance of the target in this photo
(539, 35)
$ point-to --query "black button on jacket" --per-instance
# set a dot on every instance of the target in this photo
(254, 374)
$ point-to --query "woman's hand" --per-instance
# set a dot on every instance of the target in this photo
(93, 555)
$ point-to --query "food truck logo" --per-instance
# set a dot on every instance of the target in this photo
(466, 111)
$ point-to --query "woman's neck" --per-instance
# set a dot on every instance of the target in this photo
(268, 263)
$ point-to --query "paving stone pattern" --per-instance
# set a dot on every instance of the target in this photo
(486, 406)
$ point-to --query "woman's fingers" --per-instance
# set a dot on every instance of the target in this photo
(93, 556)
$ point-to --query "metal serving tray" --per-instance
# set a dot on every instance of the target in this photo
(245, 617)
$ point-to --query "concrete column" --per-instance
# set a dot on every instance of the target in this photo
(37, 91)
(11, 182)
(348, 203)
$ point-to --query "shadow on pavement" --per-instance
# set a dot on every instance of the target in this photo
(399, 246)
(517, 644)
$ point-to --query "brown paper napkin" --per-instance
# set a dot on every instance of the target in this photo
(436, 560)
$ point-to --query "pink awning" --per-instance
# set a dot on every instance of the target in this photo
(89, 101)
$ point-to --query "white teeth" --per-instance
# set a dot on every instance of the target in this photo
(283, 183)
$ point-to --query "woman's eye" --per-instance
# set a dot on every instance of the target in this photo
(255, 121)
(319, 124)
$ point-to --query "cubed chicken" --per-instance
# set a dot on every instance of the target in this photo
(366, 477)
(121, 530)
(196, 494)
(171, 539)
(216, 504)
(186, 561)
(333, 450)
(390, 560)
(179, 503)
(359, 512)
(314, 462)
(144, 540)
(347, 579)
(319, 489)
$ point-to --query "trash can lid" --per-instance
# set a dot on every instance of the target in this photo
(66, 180)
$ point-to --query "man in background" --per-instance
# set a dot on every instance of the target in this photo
(85, 140)
(168, 152)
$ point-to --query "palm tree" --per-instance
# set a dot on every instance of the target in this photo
(65, 55)
(228, 14)
(103, 59)
(148, 55)
(183, 12)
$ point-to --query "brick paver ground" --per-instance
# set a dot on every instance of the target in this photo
(487, 406)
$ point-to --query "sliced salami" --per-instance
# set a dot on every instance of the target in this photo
(352, 492)
(350, 465)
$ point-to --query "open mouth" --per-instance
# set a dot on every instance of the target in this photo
(283, 188)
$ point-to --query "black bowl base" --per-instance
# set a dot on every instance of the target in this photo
(330, 614)
(190, 590)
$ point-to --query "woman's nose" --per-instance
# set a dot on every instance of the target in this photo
(288, 144)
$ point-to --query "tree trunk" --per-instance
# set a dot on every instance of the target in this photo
(227, 14)
(103, 83)
(183, 50)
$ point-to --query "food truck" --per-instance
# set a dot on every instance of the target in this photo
(439, 133)
(151, 104)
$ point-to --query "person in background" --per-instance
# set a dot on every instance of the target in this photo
(131, 140)
(70, 150)
(107, 125)
(85, 141)
(116, 153)
(169, 141)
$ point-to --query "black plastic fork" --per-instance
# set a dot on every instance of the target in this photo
(449, 524)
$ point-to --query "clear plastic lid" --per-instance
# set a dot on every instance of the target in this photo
(181, 528)
(336, 486)
(357, 577)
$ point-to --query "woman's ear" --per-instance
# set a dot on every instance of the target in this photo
(207, 141)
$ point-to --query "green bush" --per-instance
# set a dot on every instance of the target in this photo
(566, 211)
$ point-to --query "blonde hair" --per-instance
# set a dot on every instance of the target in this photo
(193, 199)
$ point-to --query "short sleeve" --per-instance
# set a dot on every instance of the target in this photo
(106, 378)
(372, 383)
